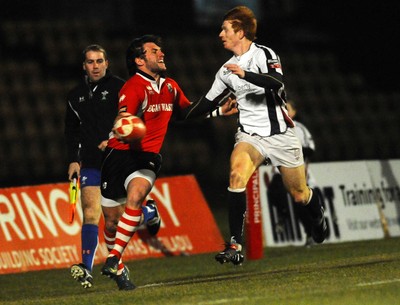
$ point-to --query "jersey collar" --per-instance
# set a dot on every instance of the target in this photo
(152, 80)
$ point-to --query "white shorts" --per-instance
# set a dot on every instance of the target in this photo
(279, 150)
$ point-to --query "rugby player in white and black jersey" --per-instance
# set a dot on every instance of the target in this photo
(265, 134)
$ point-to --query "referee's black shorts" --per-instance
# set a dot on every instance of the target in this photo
(119, 164)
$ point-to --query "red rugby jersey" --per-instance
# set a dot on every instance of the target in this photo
(154, 104)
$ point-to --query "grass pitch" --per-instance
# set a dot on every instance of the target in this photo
(366, 272)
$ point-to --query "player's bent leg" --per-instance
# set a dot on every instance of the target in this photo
(237, 211)
(112, 211)
(127, 226)
(122, 277)
(305, 219)
(245, 159)
(295, 182)
(319, 229)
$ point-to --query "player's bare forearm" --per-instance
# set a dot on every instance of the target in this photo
(102, 146)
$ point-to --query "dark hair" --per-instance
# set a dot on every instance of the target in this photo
(94, 48)
(136, 50)
(243, 18)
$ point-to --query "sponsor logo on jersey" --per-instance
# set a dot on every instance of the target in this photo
(81, 99)
(160, 107)
(243, 88)
(274, 63)
(275, 66)
(226, 72)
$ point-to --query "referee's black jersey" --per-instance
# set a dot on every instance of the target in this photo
(91, 110)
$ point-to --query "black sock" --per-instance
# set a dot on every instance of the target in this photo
(237, 212)
(314, 207)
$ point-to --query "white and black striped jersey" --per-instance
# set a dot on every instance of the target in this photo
(260, 94)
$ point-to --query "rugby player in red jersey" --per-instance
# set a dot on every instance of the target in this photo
(130, 169)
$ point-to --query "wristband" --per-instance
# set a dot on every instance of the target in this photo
(216, 112)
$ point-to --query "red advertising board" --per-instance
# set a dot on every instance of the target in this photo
(35, 233)
(254, 234)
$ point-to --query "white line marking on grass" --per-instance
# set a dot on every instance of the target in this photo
(378, 282)
(194, 280)
(223, 301)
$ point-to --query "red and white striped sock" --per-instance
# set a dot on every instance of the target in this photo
(109, 239)
(127, 226)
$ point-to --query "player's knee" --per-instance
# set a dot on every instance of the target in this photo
(300, 196)
(91, 215)
(237, 180)
(111, 219)
(111, 225)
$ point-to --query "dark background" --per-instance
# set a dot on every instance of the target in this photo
(340, 60)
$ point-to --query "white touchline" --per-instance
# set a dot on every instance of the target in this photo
(191, 281)
(378, 282)
(223, 301)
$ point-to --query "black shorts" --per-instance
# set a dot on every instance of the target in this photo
(119, 164)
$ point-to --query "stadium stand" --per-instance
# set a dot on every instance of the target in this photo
(40, 61)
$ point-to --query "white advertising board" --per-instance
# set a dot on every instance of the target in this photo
(349, 192)
(385, 177)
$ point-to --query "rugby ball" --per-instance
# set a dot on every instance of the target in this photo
(128, 127)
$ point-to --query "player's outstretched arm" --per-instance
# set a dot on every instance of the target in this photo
(197, 109)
